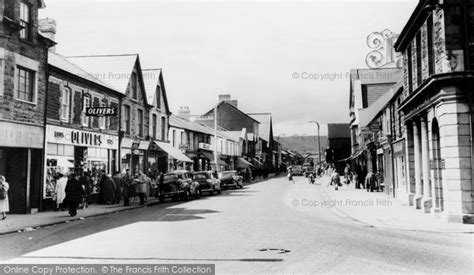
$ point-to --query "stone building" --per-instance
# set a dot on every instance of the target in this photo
(438, 52)
(23, 57)
(76, 141)
(124, 73)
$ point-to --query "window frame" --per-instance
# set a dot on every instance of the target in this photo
(103, 119)
(32, 84)
(154, 125)
(140, 122)
(134, 85)
(86, 120)
(65, 107)
(25, 32)
(127, 118)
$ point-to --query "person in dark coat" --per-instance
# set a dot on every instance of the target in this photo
(85, 181)
(127, 181)
(109, 190)
(370, 182)
(119, 182)
(74, 194)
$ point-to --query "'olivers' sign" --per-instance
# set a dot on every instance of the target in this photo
(101, 111)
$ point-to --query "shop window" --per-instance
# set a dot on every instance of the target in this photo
(25, 84)
(25, 21)
(52, 149)
(65, 104)
(86, 103)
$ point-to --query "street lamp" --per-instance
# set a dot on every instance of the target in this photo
(319, 140)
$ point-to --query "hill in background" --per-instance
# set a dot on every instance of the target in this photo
(303, 144)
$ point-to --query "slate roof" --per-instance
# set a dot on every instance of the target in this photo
(115, 70)
(58, 61)
(179, 122)
(151, 78)
(265, 120)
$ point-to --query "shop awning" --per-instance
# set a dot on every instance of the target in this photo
(172, 152)
(208, 155)
(353, 156)
(257, 162)
(144, 145)
(127, 143)
(243, 163)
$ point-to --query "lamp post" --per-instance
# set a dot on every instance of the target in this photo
(319, 140)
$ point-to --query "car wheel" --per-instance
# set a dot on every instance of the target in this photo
(241, 186)
(198, 194)
(186, 195)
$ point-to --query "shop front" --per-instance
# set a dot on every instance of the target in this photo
(134, 154)
(400, 189)
(21, 154)
(70, 150)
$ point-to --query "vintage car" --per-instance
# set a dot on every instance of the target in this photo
(297, 170)
(207, 182)
(230, 179)
(178, 184)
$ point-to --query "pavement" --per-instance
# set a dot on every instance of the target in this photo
(269, 227)
(378, 209)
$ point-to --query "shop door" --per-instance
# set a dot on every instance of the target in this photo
(80, 157)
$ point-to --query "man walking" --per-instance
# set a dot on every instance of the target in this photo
(126, 187)
(119, 183)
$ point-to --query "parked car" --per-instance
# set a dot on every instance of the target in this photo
(178, 184)
(207, 182)
(231, 179)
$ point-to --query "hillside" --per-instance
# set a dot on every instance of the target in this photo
(303, 144)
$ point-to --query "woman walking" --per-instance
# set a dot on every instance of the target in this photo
(60, 191)
(4, 204)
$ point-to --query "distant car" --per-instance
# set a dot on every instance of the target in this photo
(297, 171)
(231, 179)
(207, 182)
(178, 184)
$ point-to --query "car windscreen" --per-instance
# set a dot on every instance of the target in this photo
(200, 177)
(170, 177)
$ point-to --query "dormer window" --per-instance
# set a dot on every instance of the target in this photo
(25, 21)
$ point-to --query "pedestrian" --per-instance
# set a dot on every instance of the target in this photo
(4, 203)
(85, 181)
(370, 181)
(140, 187)
(60, 191)
(109, 189)
(290, 176)
(119, 183)
(336, 179)
(126, 187)
(311, 178)
(74, 194)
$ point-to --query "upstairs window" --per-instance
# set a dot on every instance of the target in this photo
(25, 85)
(85, 118)
(140, 123)
(158, 97)
(65, 103)
(103, 119)
(418, 59)
(126, 114)
(25, 21)
(154, 125)
(163, 129)
(134, 86)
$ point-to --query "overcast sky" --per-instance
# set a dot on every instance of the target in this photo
(248, 49)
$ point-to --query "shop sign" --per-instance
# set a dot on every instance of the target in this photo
(183, 147)
(204, 146)
(380, 151)
(101, 111)
(69, 136)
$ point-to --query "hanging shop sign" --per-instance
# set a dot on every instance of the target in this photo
(101, 111)
(204, 146)
(62, 135)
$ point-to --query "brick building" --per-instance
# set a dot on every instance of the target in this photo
(438, 51)
(23, 56)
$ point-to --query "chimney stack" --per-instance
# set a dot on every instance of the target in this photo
(47, 27)
(184, 112)
(227, 98)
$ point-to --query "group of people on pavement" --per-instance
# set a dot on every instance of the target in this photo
(75, 189)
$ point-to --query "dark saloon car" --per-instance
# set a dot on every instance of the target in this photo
(207, 182)
(178, 184)
(230, 179)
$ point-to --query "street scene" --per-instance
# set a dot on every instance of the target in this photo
(236, 137)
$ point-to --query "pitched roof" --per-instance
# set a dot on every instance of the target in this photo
(264, 128)
(211, 112)
(115, 70)
(60, 62)
(369, 114)
(151, 79)
(179, 122)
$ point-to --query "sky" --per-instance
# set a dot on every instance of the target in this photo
(288, 58)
